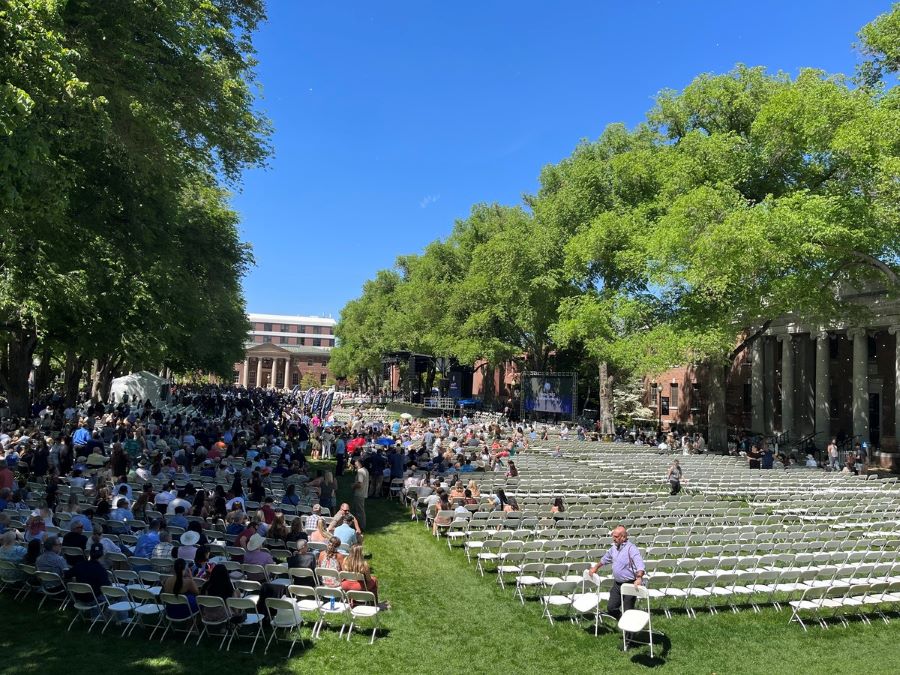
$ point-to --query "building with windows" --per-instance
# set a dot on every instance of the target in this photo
(803, 380)
(281, 349)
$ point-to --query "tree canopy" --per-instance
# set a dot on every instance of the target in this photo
(746, 196)
(120, 121)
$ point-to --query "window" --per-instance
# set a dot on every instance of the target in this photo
(267, 339)
(317, 342)
(833, 349)
(267, 327)
(654, 394)
(322, 378)
(872, 348)
(329, 343)
(317, 330)
(283, 339)
(309, 363)
(236, 377)
(748, 396)
(301, 329)
(295, 379)
(673, 395)
(695, 396)
(285, 328)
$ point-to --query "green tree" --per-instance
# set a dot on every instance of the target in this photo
(880, 44)
(361, 333)
(758, 195)
(117, 116)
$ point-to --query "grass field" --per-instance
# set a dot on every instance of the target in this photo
(447, 619)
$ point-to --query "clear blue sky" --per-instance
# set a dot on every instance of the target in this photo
(393, 118)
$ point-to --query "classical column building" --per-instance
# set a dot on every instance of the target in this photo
(806, 381)
(282, 349)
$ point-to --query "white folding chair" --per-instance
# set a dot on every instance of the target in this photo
(636, 620)
(363, 607)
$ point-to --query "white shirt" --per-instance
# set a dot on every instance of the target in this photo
(175, 503)
(164, 497)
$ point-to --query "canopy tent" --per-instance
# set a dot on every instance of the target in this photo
(141, 385)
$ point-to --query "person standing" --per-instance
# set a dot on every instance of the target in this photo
(674, 477)
(340, 452)
(833, 457)
(627, 568)
(360, 492)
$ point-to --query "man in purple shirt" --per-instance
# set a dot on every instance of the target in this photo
(627, 568)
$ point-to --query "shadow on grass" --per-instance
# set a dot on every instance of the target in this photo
(662, 645)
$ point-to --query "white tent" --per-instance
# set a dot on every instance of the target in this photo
(141, 385)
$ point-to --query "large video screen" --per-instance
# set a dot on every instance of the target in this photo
(549, 393)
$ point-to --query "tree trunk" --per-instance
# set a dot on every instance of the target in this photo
(718, 428)
(487, 389)
(607, 426)
(16, 368)
(72, 373)
(43, 373)
(105, 370)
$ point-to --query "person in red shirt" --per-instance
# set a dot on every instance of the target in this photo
(268, 510)
(244, 536)
(7, 479)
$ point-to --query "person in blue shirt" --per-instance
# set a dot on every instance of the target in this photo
(81, 436)
(121, 514)
(179, 519)
(346, 532)
(148, 541)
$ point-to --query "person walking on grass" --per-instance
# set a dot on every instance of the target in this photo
(627, 568)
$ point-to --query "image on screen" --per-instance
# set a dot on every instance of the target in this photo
(549, 393)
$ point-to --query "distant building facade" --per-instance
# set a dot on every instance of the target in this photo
(281, 349)
(803, 379)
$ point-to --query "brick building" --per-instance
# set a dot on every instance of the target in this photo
(281, 349)
(804, 379)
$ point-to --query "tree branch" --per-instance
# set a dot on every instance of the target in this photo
(749, 340)
(880, 265)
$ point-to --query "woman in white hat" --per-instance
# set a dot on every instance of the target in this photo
(188, 549)
(256, 554)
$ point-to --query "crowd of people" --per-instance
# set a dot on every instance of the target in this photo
(222, 468)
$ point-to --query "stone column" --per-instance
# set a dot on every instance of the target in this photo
(769, 382)
(259, 363)
(787, 385)
(823, 389)
(757, 423)
(860, 384)
(245, 374)
(287, 369)
(895, 331)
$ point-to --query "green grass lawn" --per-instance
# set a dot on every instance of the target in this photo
(446, 618)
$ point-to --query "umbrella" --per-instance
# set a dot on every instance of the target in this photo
(406, 444)
(385, 441)
(356, 443)
(406, 416)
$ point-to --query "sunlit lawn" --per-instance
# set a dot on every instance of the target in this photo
(446, 618)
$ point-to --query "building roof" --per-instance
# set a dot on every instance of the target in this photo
(295, 350)
(290, 318)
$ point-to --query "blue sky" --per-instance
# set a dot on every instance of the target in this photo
(393, 118)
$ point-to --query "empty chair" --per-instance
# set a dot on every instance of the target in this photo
(636, 620)
(215, 617)
(285, 620)
(333, 607)
(88, 606)
(363, 608)
(251, 622)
